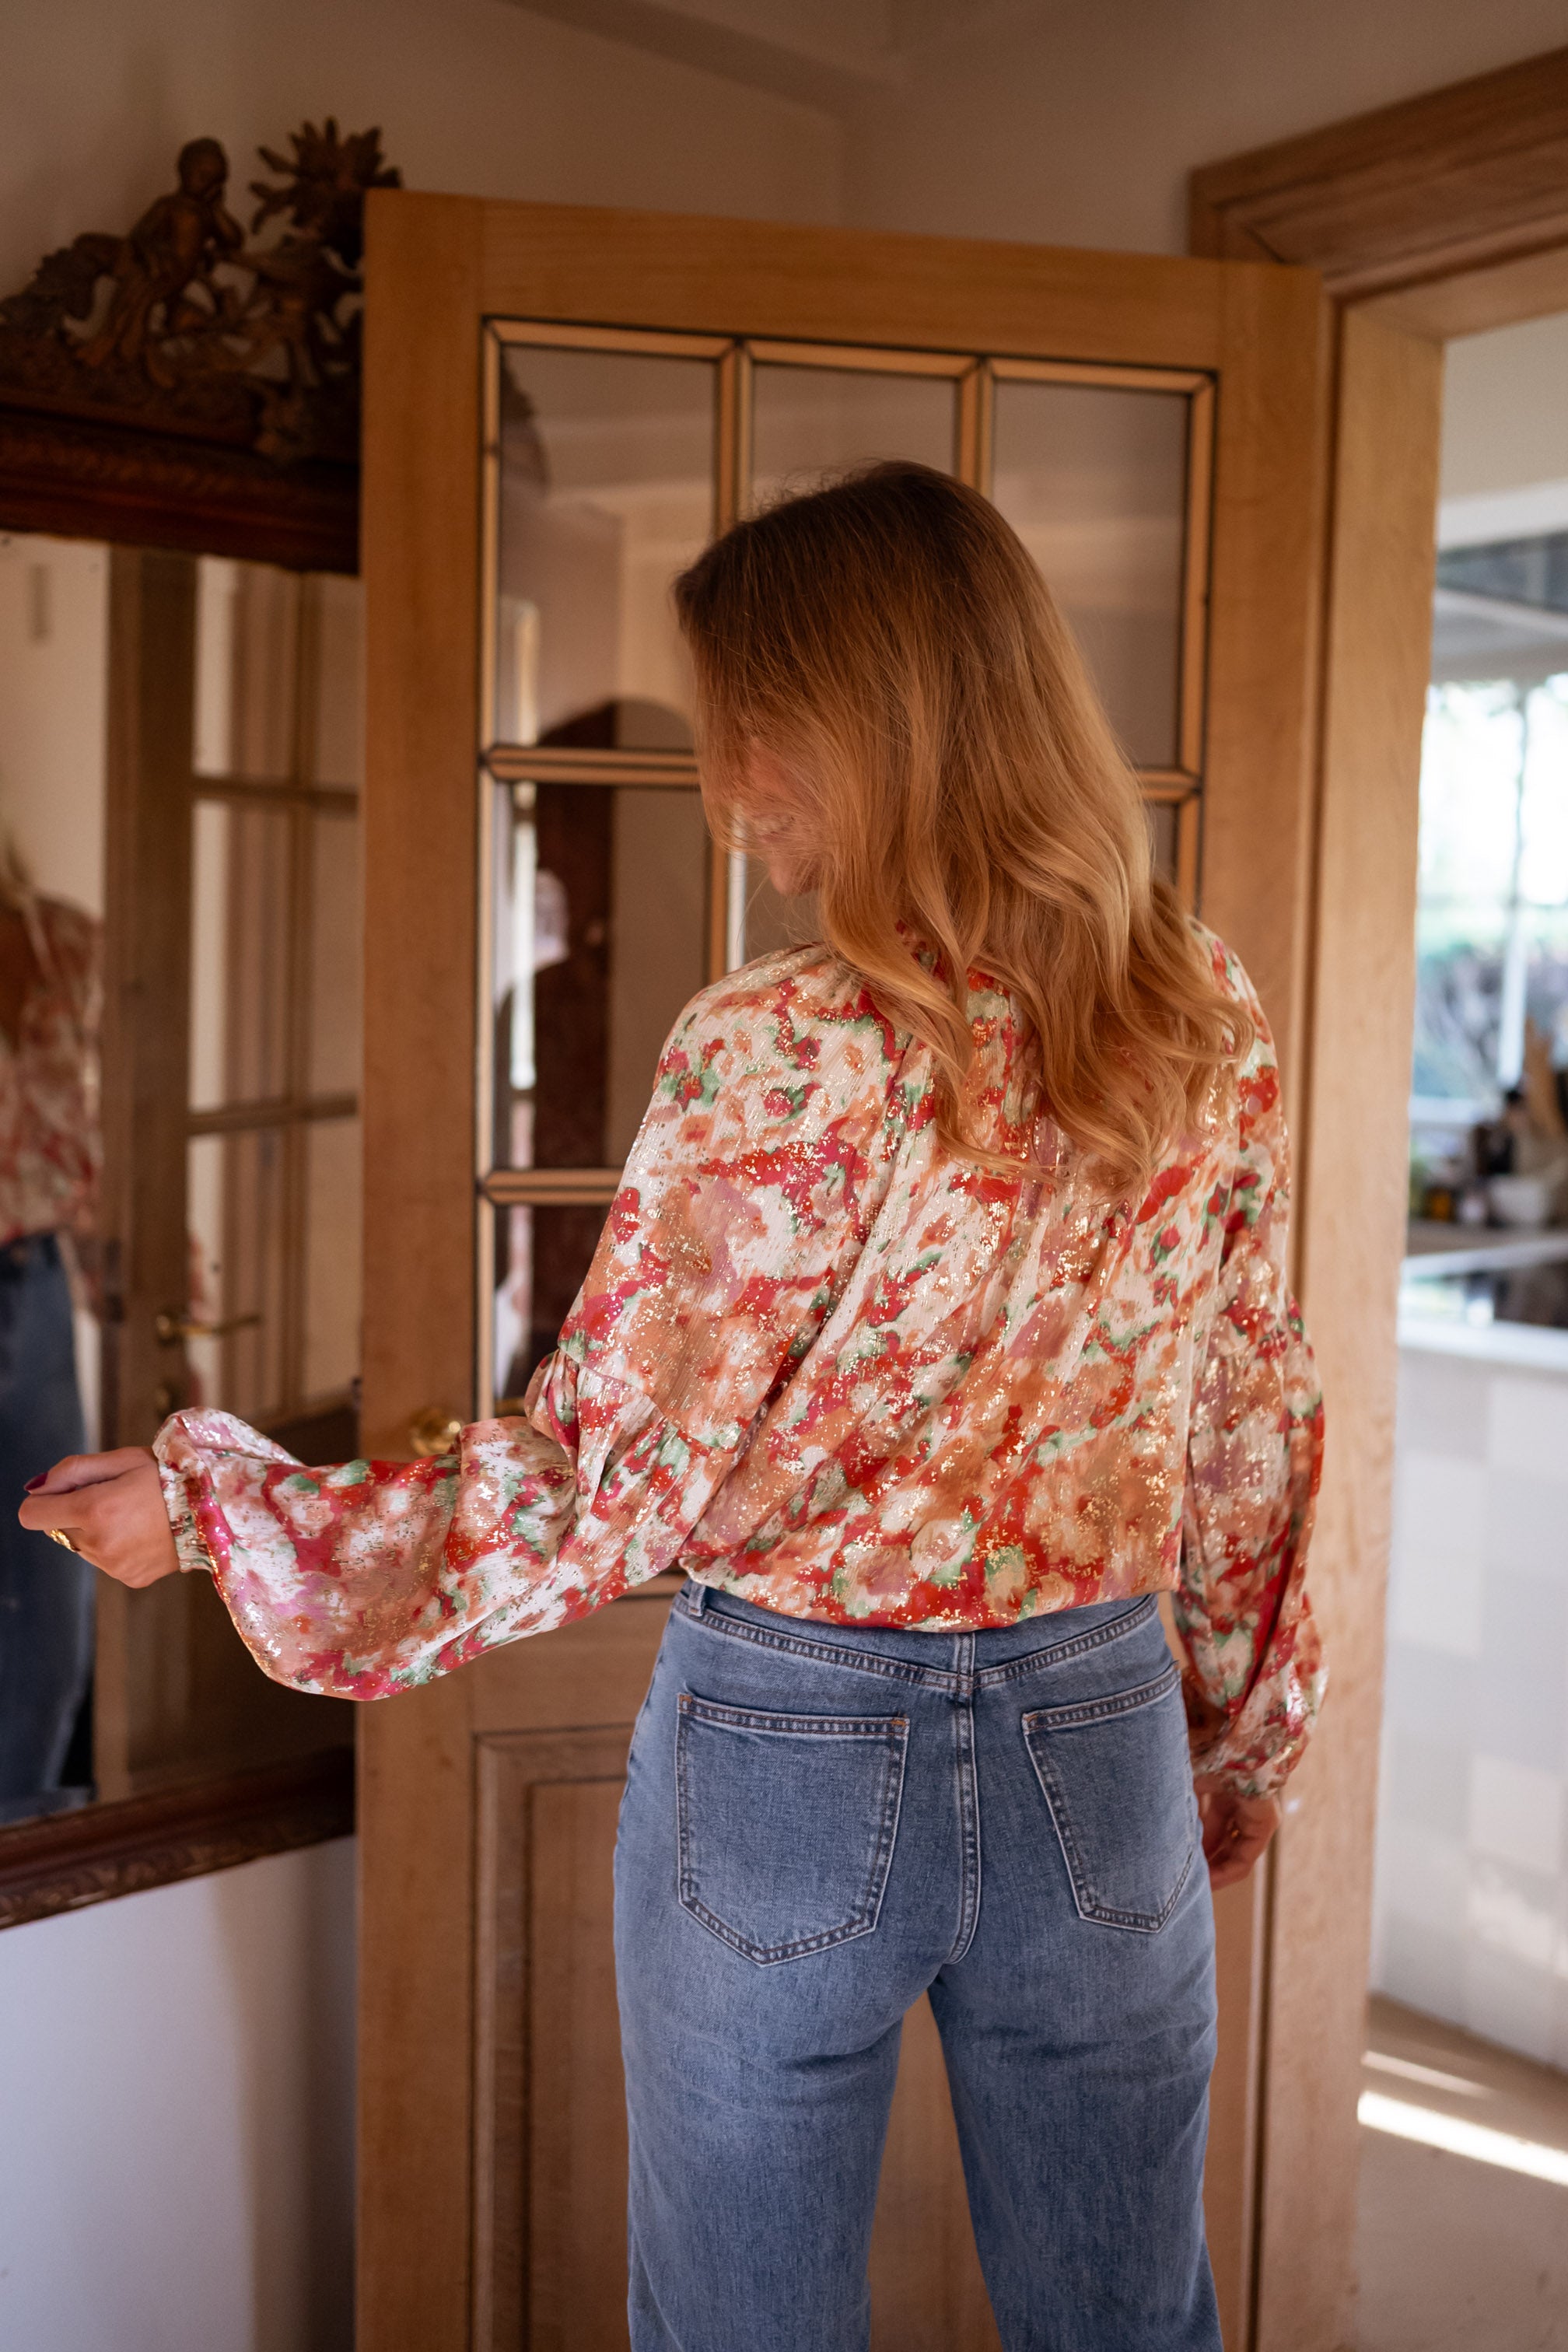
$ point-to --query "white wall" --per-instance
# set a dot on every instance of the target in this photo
(1077, 122)
(1470, 1901)
(1505, 434)
(177, 2116)
(54, 642)
(476, 97)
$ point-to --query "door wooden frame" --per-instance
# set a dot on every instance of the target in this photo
(1442, 216)
(449, 262)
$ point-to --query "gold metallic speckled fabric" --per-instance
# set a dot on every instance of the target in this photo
(821, 1363)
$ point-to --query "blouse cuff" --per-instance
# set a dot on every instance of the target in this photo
(189, 1545)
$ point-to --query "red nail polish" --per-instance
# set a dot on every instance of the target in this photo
(34, 1484)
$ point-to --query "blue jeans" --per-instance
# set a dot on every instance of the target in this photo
(45, 1592)
(822, 1823)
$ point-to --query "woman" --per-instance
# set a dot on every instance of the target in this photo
(938, 1325)
(49, 990)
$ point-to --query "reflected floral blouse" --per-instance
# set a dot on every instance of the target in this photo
(820, 1362)
(49, 1079)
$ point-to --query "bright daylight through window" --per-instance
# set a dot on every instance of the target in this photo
(1489, 1108)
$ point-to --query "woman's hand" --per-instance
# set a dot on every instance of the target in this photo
(1236, 1831)
(112, 1507)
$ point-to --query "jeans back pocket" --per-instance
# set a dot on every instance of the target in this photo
(786, 1824)
(1116, 1775)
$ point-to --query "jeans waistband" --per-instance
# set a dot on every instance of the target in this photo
(952, 1661)
(25, 1251)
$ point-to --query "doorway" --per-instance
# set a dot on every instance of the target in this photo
(1464, 2106)
(1434, 219)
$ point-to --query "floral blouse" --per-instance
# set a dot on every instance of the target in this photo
(820, 1362)
(49, 1080)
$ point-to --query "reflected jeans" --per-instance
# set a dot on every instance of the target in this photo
(45, 1592)
(820, 1824)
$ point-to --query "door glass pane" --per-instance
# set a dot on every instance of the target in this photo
(599, 926)
(811, 421)
(335, 943)
(1094, 482)
(607, 492)
(331, 1285)
(239, 950)
(764, 920)
(542, 1257)
(1163, 836)
(248, 644)
(237, 1276)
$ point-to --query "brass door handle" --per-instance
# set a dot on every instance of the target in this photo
(171, 1327)
(434, 1430)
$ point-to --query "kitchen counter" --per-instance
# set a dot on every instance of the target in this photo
(1497, 1295)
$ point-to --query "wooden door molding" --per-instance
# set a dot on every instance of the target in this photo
(1451, 207)
(549, 2140)
(1443, 215)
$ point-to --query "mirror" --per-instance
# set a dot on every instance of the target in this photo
(180, 721)
(179, 764)
(54, 598)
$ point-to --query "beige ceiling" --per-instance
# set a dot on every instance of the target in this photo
(828, 53)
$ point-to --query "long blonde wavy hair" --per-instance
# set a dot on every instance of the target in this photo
(889, 642)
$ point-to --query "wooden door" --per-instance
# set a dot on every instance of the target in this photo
(560, 405)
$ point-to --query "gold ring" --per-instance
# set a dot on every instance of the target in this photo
(60, 1536)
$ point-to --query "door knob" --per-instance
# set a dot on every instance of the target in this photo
(434, 1430)
(170, 1328)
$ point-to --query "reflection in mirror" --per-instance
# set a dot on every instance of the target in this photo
(54, 623)
(240, 913)
(541, 1254)
(275, 999)
(1094, 482)
(234, 1209)
(607, 463)
(221, 1245)
(806, 422)
(599, 930)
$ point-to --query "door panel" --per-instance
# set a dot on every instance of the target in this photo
(550, 2273)
(534, 477)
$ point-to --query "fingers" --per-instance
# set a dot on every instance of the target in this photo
(43, 1512)
(90, 1469)
(1236, 1860)
(117, 1521)
(1237, 1830)
(1217, 1813)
